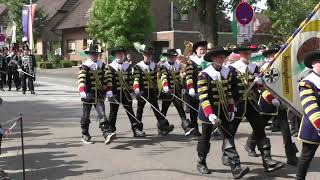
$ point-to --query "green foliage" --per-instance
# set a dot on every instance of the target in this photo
(15, 14)
(286, 15)
(120, 22)
(46, 65)
(66, 64)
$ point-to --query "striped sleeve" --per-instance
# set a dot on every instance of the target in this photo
(309, 103)
(267, 96)
(164, 77)
(189, 76)
(82, 80)
(136, 78)
(108, 79)
(203, 94)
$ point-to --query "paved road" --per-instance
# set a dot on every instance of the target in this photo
(54, 151)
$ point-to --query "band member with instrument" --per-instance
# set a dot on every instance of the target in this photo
(171, 89)
(93, 88)
(309, 132)
(192, 70)
(121, 74)
(217, 109)
(270, 107)
(145, 87)
(27, 66)
(245, 85)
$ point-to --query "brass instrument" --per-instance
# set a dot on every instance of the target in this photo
(186, 53)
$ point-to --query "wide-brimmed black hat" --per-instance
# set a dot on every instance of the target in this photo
(272, 49)
(199, 44)
(245, 47)
(310, 57)
(93, 49)
(25, 47)
(115, 50)
(170, 52)
(217, 51)
(148, 50)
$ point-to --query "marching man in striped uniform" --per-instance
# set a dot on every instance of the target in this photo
(171, 87)
(93, 88)
(192, 70)
(217, 109)
(121, 74)
(145, 87)
(244, 73)
(309, 132)
(270, 107)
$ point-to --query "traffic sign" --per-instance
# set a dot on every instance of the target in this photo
(244, 13)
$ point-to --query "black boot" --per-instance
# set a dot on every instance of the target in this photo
(86, 138)
(202, 168)
(225, 160)
(186, 126)
(164, 128)
(108, 135)
(137, 130)
(237, 171)
(251, 146)
(203, 149)
(291, 150)
(269, 164)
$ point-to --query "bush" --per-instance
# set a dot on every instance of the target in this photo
(45, 65)
(65, 64)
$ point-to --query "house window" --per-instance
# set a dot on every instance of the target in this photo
(184, 17)
(85, 44)
(176, 14)
(71, 44)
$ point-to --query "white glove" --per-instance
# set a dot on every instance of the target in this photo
(231, 116)
(258, 80)
(192, 92)
(166, 89)
(137, 91)
(109, 94)
(214, 119)
(19, 69)
(275, 102)
(83, 95)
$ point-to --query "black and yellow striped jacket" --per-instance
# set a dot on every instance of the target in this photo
(170, 77)
(243, 76)
(192, 71)
(309, 89)
(214, 93)
(93, 81)
(122, 79)
(145, 78)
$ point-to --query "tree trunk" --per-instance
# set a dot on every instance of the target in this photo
(207, 24)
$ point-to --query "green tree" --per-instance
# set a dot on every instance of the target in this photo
(209, 14)
(286, 15)
(15, 14)
(120, 22)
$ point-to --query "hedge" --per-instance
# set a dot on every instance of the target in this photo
(65, 64)
(45, 65)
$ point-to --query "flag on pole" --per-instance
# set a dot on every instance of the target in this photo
(287, 69)
(14, 33)
(28, 14)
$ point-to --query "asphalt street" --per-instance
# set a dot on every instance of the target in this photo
(53, 147)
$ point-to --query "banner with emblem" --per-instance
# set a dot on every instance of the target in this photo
(287, 69)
